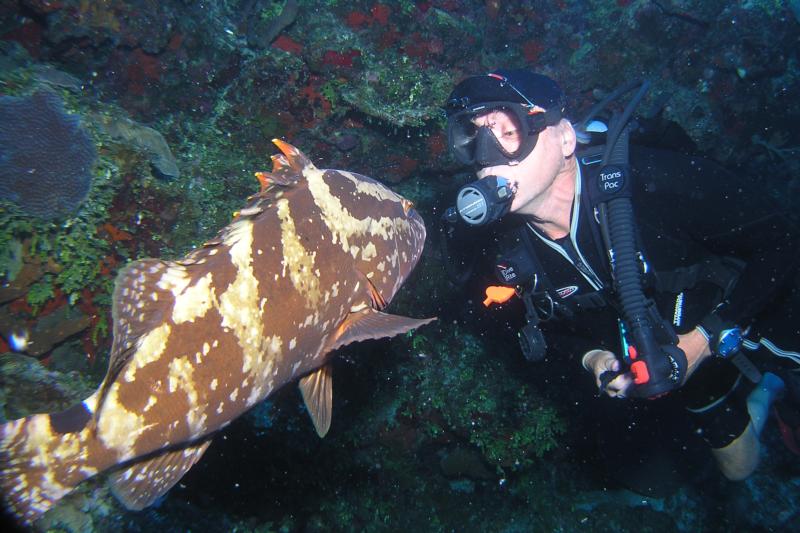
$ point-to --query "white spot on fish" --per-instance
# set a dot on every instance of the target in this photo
(358, 307)
(369, 252)
(151, 401)
(193, 302)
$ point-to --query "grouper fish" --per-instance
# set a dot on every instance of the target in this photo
(305, 268)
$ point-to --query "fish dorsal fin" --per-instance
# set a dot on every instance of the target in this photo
(142, 483)
(297, 160)
(139, 305)
(371, 324)
(287, 167)
(317, 391)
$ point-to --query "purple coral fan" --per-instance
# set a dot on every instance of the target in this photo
(45, 156)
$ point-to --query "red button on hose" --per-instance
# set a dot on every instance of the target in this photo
(640, 372)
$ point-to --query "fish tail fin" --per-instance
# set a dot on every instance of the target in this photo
(40, 463)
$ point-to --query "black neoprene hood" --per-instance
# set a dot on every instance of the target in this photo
(538, 88)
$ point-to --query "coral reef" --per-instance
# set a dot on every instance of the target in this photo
(46, 157)
(447, 389)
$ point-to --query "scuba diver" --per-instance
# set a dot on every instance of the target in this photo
(657, 263)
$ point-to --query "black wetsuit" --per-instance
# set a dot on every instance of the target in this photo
(689, 212)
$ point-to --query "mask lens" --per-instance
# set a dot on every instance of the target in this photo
(504, 126)
(461, 133)
(493, 134)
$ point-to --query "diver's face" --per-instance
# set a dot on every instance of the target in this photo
(534, 175)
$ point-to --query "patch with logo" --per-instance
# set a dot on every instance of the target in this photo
(566, 292)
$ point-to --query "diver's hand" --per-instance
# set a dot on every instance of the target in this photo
(600, 361)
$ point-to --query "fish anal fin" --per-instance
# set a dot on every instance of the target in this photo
(371, 324)
(142, 483)
(317, 391)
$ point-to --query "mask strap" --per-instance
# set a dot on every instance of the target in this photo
(504, 81)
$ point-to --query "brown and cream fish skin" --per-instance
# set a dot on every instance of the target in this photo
(306, 267)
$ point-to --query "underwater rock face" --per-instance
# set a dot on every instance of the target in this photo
(45, 156)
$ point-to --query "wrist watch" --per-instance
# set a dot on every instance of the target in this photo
(729, 344)
(729, 341)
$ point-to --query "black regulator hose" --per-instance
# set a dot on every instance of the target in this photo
(658, 365)
(658, 368)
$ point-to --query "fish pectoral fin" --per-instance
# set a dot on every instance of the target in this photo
(375, 296)
(317, 391)
(142, 483)
(317, 387)
(371, 324)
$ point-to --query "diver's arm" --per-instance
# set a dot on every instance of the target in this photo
(729, 215)
(769, 244)
(695, 345)
(770, 248)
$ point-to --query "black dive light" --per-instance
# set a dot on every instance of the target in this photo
(484, 201)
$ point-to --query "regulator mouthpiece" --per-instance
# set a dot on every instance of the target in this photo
(484, 201)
